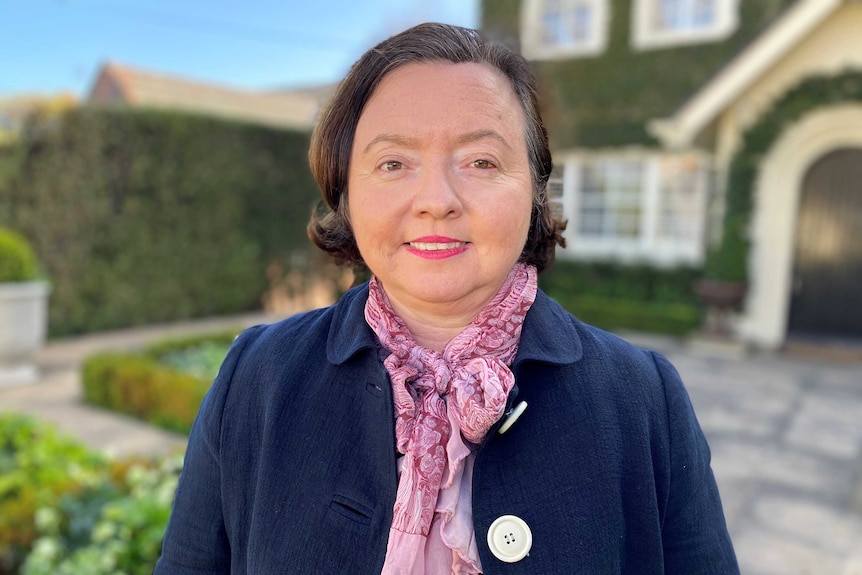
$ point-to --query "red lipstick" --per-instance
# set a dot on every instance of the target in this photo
(436, 247)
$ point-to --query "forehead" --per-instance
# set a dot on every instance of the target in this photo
(438, 97)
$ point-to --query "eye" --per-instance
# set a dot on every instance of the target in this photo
(483, 164)
(391, 166)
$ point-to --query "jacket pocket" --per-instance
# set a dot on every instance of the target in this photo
(351, 509)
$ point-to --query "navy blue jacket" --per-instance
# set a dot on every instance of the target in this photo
(291, 464)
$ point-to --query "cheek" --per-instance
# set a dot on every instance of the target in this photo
(525, 218)
(511, 225)
(368, 223)
(523, 215)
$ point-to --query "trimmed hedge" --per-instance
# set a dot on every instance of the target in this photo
(10, 159)
(146, 386)
(614, 314)
(152, 216)
(17, 259)
(616, 296)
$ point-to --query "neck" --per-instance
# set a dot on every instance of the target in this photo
(433, 324)
(433, 328)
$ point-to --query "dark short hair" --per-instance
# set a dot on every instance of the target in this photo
(332, 140)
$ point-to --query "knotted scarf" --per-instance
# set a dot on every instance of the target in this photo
(445, 403)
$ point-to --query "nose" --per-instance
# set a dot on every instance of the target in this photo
(436, 193)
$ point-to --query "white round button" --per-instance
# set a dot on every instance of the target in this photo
(512, 417)
(509, 538)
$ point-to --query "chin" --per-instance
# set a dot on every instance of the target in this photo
(439, 294)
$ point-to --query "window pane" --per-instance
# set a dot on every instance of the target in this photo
(681, 198)
(554, 192)
(627, 224)
(551, 24)
(590, 222)
(580, 24)
(683, 15)
(592, 200)
(567, 23)
(610, 199)
(592, 180)
(703, 14)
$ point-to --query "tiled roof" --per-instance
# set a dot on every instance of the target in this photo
(120, 84)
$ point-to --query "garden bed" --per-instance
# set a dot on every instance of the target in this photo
(68, 510)
(163, 384)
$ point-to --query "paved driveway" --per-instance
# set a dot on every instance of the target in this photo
(786, 439)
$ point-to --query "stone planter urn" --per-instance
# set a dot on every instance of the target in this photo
(23, 327)
(721, 299)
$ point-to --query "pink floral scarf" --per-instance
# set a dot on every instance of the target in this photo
(464, 388)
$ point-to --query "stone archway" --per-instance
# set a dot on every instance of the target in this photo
(777, 193)
(826, 294)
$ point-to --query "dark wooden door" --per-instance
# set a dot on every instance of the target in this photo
(827, 282)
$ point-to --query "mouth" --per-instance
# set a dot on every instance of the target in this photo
(436, 246)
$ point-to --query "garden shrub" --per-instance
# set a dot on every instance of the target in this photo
(38, 467)
(199, 354)
(140, 387)
(108, 531)
(163, 384)
(66, 510)
(617, 296)
(17, 259)
(614, 314)
(143, 216)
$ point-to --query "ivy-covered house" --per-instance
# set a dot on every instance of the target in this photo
(718, 133)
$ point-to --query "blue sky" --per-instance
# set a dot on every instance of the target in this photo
(52, 46)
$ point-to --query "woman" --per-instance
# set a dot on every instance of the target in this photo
(445, 417)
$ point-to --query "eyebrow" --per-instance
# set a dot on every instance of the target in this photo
(482, 135)
(414, 143)
(391, 139)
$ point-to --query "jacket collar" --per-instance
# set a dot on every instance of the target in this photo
(548, 335)
(349, 332)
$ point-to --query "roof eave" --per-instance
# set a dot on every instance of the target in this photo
(681, 129)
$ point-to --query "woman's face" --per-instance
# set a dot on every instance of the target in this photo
(439, 188)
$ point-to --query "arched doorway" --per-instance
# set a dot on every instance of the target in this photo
(826, 293)
(777, 194)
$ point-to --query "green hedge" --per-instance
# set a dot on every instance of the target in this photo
(163, 384)
(617, 296)
(10, 159)
(615, 314)
(66, 510)
(150, 216)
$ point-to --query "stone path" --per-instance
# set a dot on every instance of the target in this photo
(786, 439)
(785, 433)
(58, 398)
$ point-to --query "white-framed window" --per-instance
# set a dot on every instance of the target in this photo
(556, 29)
(554, 191)
(611, 203)
(664, 23)
(634, 206)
